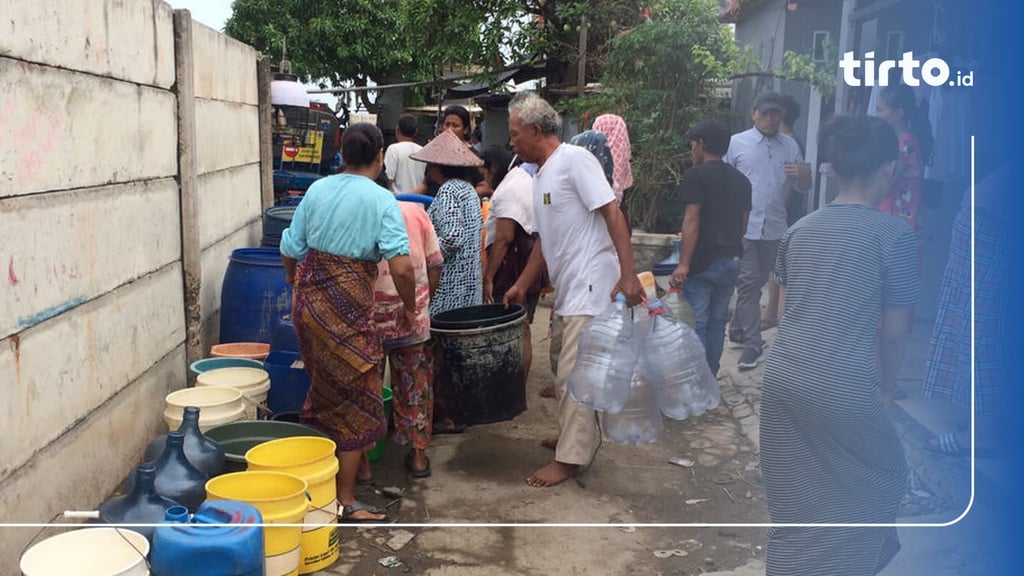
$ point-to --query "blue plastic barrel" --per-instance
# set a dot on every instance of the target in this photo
(198, 549)
(254, 296)
(288, 385)
(275, 220)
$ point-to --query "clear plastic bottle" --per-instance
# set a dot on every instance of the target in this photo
(640, 421)
(609, 350)
(674, 364)
(680, 307)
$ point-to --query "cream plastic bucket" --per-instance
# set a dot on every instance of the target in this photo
(217, 405)
(88, 552)
(252, 382)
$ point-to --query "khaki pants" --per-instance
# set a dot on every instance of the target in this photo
(578, 432)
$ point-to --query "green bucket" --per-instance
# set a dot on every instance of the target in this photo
(377, 452)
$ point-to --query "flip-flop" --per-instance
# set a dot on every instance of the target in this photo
(946, 444)
(424, 473)
(441, 428)
(347, 511)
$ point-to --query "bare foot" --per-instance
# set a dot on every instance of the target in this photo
(547, 392)
(553, 474)
(549, 443)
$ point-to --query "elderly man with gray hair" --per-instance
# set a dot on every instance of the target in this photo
(584, 243)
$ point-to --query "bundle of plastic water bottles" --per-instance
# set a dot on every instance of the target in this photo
(637, 364)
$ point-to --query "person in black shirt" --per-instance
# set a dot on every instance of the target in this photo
(717, 199)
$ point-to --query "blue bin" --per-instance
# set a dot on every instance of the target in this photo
(198, 549)
(285, 336)
(288, 386)
(254, 296)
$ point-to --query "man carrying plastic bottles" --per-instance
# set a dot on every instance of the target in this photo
(584, 243)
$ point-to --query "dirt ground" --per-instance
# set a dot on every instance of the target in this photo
(479, 477)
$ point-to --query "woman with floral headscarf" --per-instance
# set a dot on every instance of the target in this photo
(614, 128)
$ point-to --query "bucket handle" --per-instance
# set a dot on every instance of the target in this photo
(317, 508)
(87, 514)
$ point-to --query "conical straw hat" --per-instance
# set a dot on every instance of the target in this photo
(448, 150)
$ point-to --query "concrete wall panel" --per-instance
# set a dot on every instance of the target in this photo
(130, 41)
(71, 130)
(227, 135)
(227, 200)
(63, 249)
(225, 69)
(80, 471)
(215, 262)
(61, 370)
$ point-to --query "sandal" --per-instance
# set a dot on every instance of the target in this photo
(448, 427)
(424, 473)
(347, 511)
(947, 445)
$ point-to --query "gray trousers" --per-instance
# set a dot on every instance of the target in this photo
(756, 266)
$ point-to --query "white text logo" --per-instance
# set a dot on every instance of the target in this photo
(933, 72)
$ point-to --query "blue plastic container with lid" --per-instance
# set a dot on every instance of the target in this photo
(203, 546)
(254, 295)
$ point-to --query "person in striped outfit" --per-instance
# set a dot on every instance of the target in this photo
(829, 451)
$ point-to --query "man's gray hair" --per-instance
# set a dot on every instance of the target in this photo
(535, 111)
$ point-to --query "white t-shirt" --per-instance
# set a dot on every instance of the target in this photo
(582, 263)
(513, 199)
(406, 172)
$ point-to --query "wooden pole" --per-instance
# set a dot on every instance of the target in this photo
(263, 79)
(581, 72)
(191, 251)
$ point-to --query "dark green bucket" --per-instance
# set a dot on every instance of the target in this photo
(238, 437)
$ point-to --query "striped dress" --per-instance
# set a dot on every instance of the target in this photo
(829, 451)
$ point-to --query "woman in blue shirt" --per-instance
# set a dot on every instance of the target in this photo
(344, 225)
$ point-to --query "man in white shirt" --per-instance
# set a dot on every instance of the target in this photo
(584, 243)
(774, 165)
(404, 173)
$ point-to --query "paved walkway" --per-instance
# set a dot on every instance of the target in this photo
(940, 487)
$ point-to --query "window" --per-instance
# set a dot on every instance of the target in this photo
(820, 41)
(893, 45)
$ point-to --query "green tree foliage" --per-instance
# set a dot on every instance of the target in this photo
(661, 77)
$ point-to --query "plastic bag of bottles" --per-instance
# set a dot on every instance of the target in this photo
(674, 363)
(609, 350)
(639, 422)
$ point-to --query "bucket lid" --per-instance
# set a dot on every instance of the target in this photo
(239, 377)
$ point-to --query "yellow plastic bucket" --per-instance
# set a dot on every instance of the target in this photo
(281, 499)
(312, 459)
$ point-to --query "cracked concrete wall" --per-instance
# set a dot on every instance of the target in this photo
(92, 321)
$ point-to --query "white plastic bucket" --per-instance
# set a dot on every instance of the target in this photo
(252, 382)
(88, 552)
(217, 405)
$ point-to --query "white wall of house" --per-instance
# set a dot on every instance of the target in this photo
(92, 321)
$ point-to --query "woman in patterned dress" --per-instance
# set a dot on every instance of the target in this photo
(829, 451)
(343, 227)
(455, 213)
